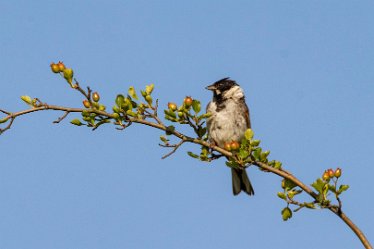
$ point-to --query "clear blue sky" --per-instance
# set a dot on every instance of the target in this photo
(308, 73)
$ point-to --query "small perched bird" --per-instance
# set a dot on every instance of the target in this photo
(228, 122)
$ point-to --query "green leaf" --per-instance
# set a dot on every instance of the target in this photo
(144, 93)
(196, 106)
(286, 213)
(116, 109)
(288, 184)
(318, 185)
(282, 195)
(243, 153)
(343, 188)
(120, 100)
(332, 188)
(131, 113)
(192, 154)
(277, 165)
(248, 134)
(170, 113)
(76, 122)
(102, 122)
(132, 93)
(169, 130)
(294, 192)
(232, 164)
(201, 131)
(206, 115)
(264, 155)
(164, 139)
(255, 142)
(309, 205)
(257, 153)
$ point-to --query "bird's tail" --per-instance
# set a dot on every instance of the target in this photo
(240, 181)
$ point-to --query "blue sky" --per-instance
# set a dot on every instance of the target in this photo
(306, 68)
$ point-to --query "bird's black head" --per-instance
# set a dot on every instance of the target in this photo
(221, 86)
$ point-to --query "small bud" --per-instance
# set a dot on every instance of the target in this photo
(3, 120)
(115, 115)
(180, 114)
(76, 122)
(102, 107)
(188, 101)
(326, 176)
(96, 97)
(26, 99)
(86, 103)
(338, 172)
(283, 184)
(132, 93)
(55, 68)
(172, 106)
(68, 75)
(227, 146)
(61, 66)
(235, 145)
(248, 134)
(149, 89)
(149, 99)
(331, 173)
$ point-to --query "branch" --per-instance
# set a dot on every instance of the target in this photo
(333, 209)
(159, 125)
(175, 146)
(61, 118)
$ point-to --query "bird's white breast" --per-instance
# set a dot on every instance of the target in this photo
(228, 124)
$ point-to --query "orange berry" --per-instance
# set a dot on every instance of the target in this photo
(338, 172)
(172, 106)
(227, 146)
(188, 101)
(331, 173)
(326, 176)
(55, 68)
(96, 97)
(86, 103)
(61, 66)
(235, 145)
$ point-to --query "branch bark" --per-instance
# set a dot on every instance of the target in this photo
(159, 125)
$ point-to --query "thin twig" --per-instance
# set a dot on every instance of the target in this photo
(175, 146)
(5, 112)
(8, 126)
(78, 88)
(61, 118)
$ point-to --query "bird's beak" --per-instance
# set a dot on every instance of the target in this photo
(211, 88)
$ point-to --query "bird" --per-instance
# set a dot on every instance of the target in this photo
(228, 121)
